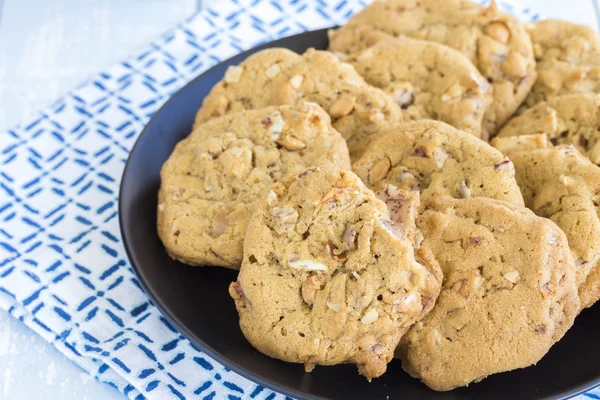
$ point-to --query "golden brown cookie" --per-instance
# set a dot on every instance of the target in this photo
(428, 80)
(567, 57)
(509, 292)
(280, 76)
(560, 184)
(496, 43)
(570, 119)
(436, 159)
(329, 275)
(213, 177)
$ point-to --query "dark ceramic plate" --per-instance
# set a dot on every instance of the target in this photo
(196, 301)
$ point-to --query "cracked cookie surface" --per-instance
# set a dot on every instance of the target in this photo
(329, 275)
(436, 159)
(428, 80)
(280, 76)
(213, 177)
(570, 119)
(567, 59)
(560, 184)
(496, 43)
(509, 284)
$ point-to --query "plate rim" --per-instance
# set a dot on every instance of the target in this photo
(172, 319)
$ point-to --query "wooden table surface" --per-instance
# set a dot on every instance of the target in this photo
(48, 48)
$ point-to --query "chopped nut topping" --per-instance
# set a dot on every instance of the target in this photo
(518, 143)
(515, 64)
(406, 303)
(220, 222)
(342, 106)
(463, 190)
(370, 316)
(236, 292)
(546, 291)
(421, 151)
(307, 265)
(337, 295)
(379, 170)
(540, 330)
(566, 180)
(403, 98)
(377, 117)
(285, 218)
(331, 248)
(296, 81)
(440, 157)
(233, 74)
(309, 289)
(455, 91)
(504, 164)
(292, 143)
(271, 197)
(437, 337)
(273, 71)
(402, 206)
(349, 237)
(552, 240)
(512, 276)
(461, 287)
(275, 124)
(161, 207)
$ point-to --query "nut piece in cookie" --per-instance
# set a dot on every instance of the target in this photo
(213, 177)
(279, 76)
(341, 283)
(509, 284)
(428, 80)
(511, 144)
(569, 119)
(495, 42)
(436, 159)
(562, 185)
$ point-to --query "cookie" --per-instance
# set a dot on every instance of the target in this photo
(560, 184)
(329, 276)
(567, 57)
(436, 159)
(496, 43)
(570, 119)
(428, 81)
(280, 76)
(509, 292)
(212, 179)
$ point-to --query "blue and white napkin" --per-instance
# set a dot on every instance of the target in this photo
(63, 268)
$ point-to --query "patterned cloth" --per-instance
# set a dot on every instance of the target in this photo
(63, 268)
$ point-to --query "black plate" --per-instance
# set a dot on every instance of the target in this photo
(196, 301)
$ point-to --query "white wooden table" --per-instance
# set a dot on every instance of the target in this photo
(46, 49)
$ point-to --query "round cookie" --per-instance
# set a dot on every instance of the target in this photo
(560, 184)
(496, 43)
(437, 159)
(428, 81)
(570, 119)
(567, 59)
(213, 177)
(329, 276)
(279, 76)
(509, 292)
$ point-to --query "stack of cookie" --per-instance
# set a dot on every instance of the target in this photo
(358, 194)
